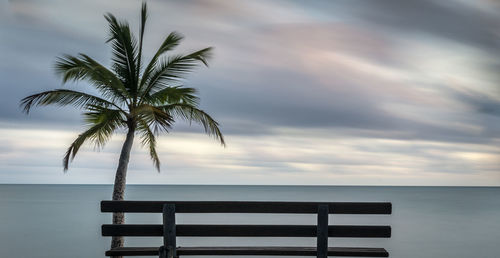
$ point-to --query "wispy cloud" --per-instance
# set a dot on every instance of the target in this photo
(334, 92)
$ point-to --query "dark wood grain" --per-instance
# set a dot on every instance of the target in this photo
(192, 230)
(169, 230)
(246, 250)
(322, 232)
(247, 207)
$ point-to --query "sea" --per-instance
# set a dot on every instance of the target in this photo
(427, 222)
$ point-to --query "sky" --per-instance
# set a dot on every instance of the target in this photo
(340, 92)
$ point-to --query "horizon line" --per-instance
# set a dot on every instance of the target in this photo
(283, 185)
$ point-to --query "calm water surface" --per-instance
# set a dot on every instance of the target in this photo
(427, 222)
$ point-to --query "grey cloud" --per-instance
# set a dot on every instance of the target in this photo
(450, 19)
(257, 76)
(479, 101)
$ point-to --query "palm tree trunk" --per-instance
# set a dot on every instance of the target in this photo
(120, 181)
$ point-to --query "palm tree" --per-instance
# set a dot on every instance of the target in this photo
(141, 100)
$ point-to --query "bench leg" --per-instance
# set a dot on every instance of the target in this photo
(162, 252)
(322, 232)
(171, 252)
(167, 252)
(169, 234)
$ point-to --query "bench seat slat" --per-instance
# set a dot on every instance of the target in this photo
(243, 250)
(247, 207)
(192, 230)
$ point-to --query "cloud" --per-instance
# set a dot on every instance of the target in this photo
(293, 156)
(386, 78)
(477, 26)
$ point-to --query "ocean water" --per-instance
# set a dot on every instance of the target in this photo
(427, 222)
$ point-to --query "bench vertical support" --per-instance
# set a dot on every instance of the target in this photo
(163, 252)
(322, 231)
(168, 249)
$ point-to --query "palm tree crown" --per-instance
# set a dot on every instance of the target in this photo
(141, 99)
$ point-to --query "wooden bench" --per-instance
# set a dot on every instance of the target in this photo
(169, 230)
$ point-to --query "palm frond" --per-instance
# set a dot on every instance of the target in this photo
(172, 95)
(107, 119)
(170, 42)
(103, 122)
(144, 17)
(63, 97)
(83, 67)
(174, 69)
(148, 139)
(193, 114)
(154, 117)
(124, 48)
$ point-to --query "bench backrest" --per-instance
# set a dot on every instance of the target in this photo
(169, 230)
